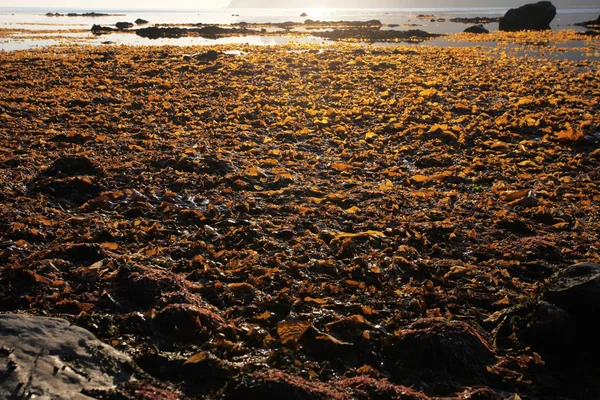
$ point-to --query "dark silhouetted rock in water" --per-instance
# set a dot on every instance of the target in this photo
(304, 14)
(141, 21)
(595, 24)
(50, 358)
(475, 20)
(535, 17)
(476, 29)
(124, 25)
(97, 29)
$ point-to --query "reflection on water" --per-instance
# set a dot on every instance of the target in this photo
(32, 29)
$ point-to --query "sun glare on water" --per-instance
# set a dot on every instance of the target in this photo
(319, 12)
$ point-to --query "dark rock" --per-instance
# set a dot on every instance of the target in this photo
(535, 17)
(414, 35)
(476, 29)
(73, 166)
(50, 358)
(545, 328)
(476, 20)
(595, 24)
(98, 29)
(438, 351)
(304, 14)
(140, 21)
(576, 288)
(154, 32)
(186, 323)
(123, 25)
(144, 286)
(75, 190)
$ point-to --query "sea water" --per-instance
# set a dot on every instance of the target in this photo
(31, 23)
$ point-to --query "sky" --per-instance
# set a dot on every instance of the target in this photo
(117, 4)
(200, 4)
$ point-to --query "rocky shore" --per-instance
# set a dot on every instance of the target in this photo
(295, 221)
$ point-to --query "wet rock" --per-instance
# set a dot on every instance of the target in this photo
(154, 32)
(143, 286)
(80, 253)
(123, 25)
(140, 21)
(276, 384)
(438, 351)
(304, 14)
(98, 29)
(476, 29)
(576, 288)
(73, 166)
(49, 358)
(545, 328)
(187, 323)
(75, 190)
(535, 17)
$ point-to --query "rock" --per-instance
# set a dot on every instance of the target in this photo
(576, 288)
(123, 25)
(595, 24)
(98, 29)
(535, 17)
(476, 29)
(208, 56)
(140, 21)
(154, 33)
(475, 20)
(304, 14)
(545, 328)
(73, 166)
(44, 357)
(186, 323)
(451, 352)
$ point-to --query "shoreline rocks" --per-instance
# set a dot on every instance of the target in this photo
(50, 358)
(535, 17)
(476, 29)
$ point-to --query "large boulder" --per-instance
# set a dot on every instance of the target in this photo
(535, 17)
(49, 358)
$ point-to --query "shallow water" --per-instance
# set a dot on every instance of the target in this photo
(32, 22)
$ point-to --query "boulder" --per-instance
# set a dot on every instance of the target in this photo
(140, 21)
(98, 29)
(123, 25)
(535, 17)
(545, 328)
(476, 29)
(436, 350)
(576, 289)
(49, 358)
(304, 14)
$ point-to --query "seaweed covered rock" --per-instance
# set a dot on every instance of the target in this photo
(545, 328)
(187, 323)
(534, 17)
(438, 352)
(364, 387)
(49, 358)
(124, 25)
